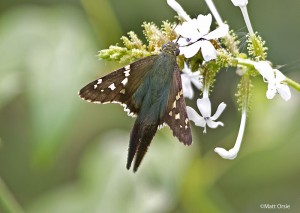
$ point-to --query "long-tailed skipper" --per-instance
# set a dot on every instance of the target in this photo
(150, 89)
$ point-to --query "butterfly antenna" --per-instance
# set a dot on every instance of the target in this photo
(173, 32)
(178, 39)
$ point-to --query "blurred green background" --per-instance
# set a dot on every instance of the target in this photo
(61, 154)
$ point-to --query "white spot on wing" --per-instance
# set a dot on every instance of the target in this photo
(161, 126)
(174, 105)
(177, 116)
(180, 92)
(124, 82)
(127, 73)
(115, 102)
(88, 100)
(170, 113)
(129, 113)
(127, 67)
(95, 86)
(99, 81)
(102, 90)
(122, 91)
(112, 86)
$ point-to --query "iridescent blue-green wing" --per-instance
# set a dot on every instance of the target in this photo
(119, 86)
(176, 116)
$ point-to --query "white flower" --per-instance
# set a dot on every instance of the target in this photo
(274, 78)
(232, 153)
(204, 107)
(195, 35)
(188, 78)
(240, 3)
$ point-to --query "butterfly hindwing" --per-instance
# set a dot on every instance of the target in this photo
(119, 86)
(176, 116)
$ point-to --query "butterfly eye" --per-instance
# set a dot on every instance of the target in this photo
(177, 51)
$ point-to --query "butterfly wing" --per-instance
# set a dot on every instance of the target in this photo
(119, 86)
(176, 115)
(129, 87)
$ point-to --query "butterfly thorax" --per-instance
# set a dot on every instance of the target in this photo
(170, 48)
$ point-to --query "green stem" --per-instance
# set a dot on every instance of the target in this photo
(292, 83)
(245, 62)
(8, 203)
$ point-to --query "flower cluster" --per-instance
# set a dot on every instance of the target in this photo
(195, 37)
(203, 53)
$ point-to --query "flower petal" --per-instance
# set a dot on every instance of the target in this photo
(182, 42)
(187, 86)
(188, 29)
(195, 117)
(208, 50)
(204, 107)
(265, 69)
(213, 124)
(279, 76)
(191, 50)
(271, 92)
(240, 3)
(284, 92)
(188, 78)
(186, 69)
(218, 33)
(196, 80)
(230, 155)
(203, 24)
(219, 111)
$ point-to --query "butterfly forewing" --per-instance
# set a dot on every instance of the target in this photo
(176, 115)
(119, 86)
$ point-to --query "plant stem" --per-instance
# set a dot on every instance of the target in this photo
(246, 62)
(293, 84)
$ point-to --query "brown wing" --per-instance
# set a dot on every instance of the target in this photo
(176, 115)
(118, 86)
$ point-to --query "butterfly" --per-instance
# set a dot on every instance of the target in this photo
(151, 90)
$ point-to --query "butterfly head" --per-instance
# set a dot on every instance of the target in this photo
(171, 48)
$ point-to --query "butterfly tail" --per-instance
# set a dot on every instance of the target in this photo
(140, 139)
